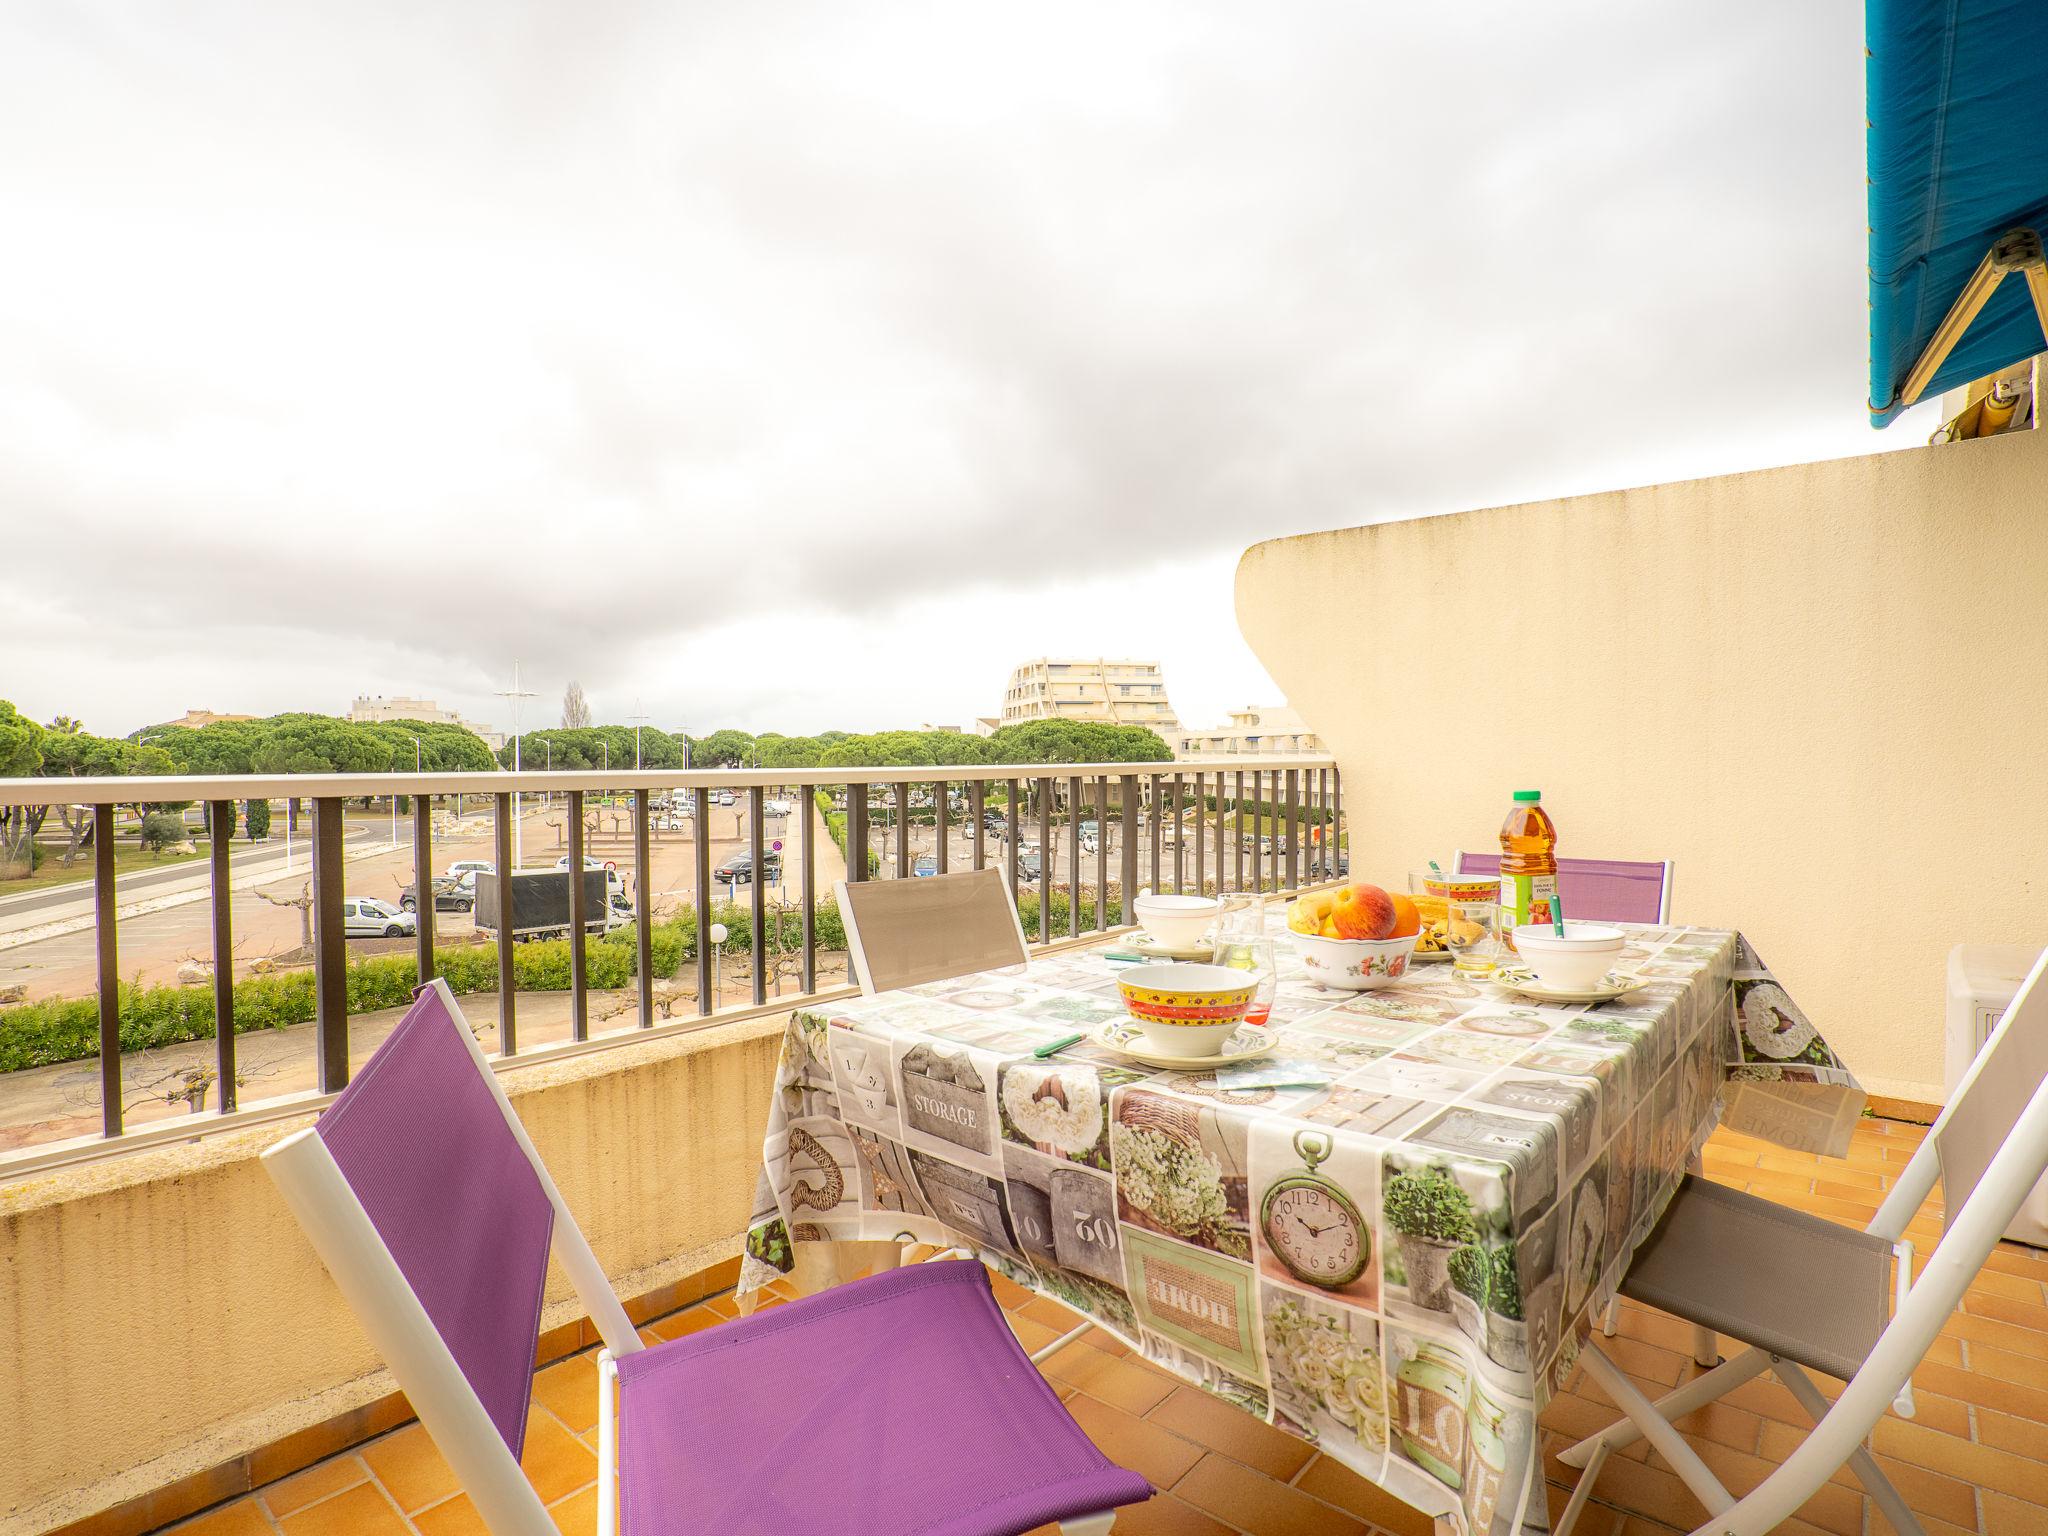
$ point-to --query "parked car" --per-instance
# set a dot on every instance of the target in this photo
(464, 872)
(723, 797)
(924, 866)
(738, 868)
(449, 896)
(365, 918)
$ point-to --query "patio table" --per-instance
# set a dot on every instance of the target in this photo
(1397, 1264)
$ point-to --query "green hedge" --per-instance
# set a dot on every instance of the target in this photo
(835, 827)
(67, 1029)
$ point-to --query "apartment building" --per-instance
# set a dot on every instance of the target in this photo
(368, 710)
(1090, 688)
(1253, 729)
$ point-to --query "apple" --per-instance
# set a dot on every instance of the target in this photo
(1363, 912)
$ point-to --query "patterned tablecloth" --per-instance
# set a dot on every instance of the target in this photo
(1398, 1264)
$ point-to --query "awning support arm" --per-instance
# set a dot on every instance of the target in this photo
(2017, 250)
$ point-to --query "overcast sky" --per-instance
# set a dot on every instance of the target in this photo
(794, 366)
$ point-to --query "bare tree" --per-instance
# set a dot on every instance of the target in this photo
(575, 708)
(304, 902)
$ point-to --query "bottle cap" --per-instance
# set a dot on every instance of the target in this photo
(1528, 794)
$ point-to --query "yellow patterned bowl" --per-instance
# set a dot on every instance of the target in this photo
(1187, 1010)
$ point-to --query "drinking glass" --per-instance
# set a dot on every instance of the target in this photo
(1243, 915)
(1240, 953)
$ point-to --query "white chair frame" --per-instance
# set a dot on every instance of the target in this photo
(857, 953)
(398, 1325)
(1885, 1379)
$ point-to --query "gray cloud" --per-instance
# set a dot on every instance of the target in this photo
(393, 343)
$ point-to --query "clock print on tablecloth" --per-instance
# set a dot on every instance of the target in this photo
(1313, 1227)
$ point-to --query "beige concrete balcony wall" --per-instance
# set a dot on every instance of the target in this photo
(1822, 689)
(160, 1312)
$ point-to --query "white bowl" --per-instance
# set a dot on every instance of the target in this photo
(1176, 922)
(1574, 962)
(1353, 965)
(1186, 1010)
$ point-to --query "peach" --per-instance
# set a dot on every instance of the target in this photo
(1363, 912)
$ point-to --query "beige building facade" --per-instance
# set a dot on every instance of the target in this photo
(370, 710)
(1090, 688)
(1815, 688)
(1253, 729)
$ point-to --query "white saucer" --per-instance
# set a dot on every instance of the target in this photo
(1246, 1043)
(1145, 944)
(1521, 979)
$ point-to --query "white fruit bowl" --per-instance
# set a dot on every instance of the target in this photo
(1574, 962)
(1354, 965)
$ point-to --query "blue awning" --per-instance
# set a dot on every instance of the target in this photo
(1958, 158)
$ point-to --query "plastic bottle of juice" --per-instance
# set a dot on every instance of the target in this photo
(1528, 864)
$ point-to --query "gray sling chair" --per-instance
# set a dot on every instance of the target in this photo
(902, 933)
(1804, 1293)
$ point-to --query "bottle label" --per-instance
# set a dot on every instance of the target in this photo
(1525, 899)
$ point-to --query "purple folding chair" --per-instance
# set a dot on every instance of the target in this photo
(897, 1403)
(1598, 890)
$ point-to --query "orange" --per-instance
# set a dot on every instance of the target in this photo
(1407, 919)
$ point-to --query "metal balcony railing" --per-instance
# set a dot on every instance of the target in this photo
(1190, 825)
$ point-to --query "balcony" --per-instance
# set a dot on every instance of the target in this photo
(208, 1009)
(1810, 766)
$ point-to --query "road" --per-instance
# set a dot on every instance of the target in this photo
(50, 902)
(166, 925)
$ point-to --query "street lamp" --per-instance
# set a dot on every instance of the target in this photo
(515, 693)
(415, 798)
(638, 719)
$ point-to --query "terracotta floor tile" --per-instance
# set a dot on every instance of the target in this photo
(1033, 1335)
(2014, 1287)
(2005, 1516)
(1982, 1465)
(452, 1517)
(359, 1511)
(555, 1461)
(1239, 1496)
(570, 1391)
(2031, 1315)
(1072, 1365)
(1165, 1515)
(722, 1276)
(1334, 1483)
(410, 1468)
(1132, 1385)
(241, 1518)
(1985, 1391)
(2026, 1370)
(577, 1514)
(688, 1321)
(2008, 1432)
(1979, 1443)
(1211, 1422)
(1155, 1453)
(1997, 1334)
(313, 1484)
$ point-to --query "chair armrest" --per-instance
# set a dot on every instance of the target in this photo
(1902, 1287)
